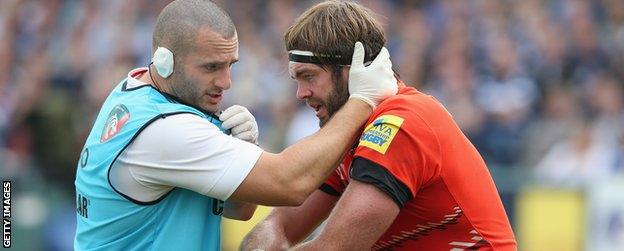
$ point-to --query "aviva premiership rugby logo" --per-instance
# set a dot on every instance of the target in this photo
(117, 118)
(379, 134)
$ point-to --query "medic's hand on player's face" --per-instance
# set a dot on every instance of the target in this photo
(374, 83)
(241, 122)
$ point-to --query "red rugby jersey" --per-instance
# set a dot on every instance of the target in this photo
(449, 201)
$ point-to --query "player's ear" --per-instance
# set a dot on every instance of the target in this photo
(344, 72)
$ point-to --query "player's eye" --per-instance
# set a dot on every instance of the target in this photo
(211, 67)
(308, 77)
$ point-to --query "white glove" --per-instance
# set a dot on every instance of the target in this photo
(374, 83)
(241, 122)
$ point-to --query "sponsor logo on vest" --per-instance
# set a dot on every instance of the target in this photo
(117, 118)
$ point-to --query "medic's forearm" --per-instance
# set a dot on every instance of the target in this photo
(237, 210)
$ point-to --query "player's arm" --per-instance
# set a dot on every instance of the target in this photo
(382, 180)
(242, 125)
(238, 210)
(289, 177)
(361, 216)
(200, 158)
(287, 225)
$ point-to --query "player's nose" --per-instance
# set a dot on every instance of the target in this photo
(224, 81)
(303, 92)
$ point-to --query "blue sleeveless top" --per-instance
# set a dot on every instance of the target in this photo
(109, 220)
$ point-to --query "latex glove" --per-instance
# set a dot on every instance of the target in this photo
(374, 83)
(241, 122)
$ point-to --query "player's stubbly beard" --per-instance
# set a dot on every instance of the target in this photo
(188, 90)
(335, 99)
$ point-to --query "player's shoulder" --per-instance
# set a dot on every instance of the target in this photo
(180, 127)
(406, 102)
(185, 120)
(410, 101)
(413, 111)
(179, 135)
(397, 112)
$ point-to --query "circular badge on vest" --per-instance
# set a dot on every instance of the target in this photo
(117, 118)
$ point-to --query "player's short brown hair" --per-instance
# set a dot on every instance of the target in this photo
(331, 28)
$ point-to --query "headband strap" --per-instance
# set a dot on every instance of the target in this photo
(309, 57)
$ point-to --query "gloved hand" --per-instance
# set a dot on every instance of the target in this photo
(241, 122)
(374, 83)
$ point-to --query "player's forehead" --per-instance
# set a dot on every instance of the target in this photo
(295, 68)
(212, 44)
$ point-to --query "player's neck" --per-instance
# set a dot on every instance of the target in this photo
(145, 78)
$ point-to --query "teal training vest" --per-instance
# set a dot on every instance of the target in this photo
(109, 220)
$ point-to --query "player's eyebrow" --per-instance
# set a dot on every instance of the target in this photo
(300, 72)
(217, 64)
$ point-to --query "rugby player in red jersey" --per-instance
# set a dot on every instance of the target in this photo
(411, 181)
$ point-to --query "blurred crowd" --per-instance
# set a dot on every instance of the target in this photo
(536, 85)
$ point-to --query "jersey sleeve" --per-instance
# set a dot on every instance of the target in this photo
(189, 152)
(397, 152)
(333, 185)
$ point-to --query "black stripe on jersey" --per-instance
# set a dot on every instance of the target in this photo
(367, 171)
(329, 190)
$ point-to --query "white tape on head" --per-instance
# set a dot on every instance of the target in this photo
(163, 61)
